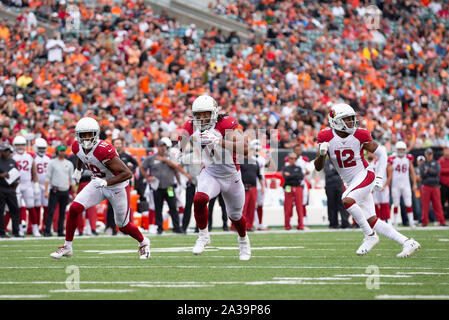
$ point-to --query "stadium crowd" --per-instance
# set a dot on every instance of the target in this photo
(138, 72)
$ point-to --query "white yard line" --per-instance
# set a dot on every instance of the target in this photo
(92, 290)
(23, 296)
(147, 266)
(419, 297)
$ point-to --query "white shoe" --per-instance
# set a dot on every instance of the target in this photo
(144, 249)
(36, 232)
(201, 243)
(244, 248)
(63, 251)
(409, 246)
(368, 243)
(152, 229)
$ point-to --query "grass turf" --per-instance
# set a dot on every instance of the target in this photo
(316, 264)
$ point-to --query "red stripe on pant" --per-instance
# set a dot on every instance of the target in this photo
(250, 206)
(433, 194)
(367, 181)
(294, 196)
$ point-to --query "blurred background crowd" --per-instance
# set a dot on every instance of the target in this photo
(138, 71)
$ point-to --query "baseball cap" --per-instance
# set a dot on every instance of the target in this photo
(61, 148)
(165, 141)
(5, 146)
(428, 151)
(421, 158)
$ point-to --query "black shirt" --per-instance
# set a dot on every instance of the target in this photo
(295, 177)
(250, 173)
(127, 159)
(332, 178)
(5, 166)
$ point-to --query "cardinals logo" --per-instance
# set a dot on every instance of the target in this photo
(332, 113)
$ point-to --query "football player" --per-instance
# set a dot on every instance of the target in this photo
(41, 161)
(219, 140)
(400, 171)
(28, 187)
(344, 143)
(110, 180)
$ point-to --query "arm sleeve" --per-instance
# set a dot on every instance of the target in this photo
(381, 156)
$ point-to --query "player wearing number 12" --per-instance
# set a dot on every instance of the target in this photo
(344, 143)
(109, 181)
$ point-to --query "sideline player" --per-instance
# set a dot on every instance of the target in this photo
(110, 180)
(26, 193)
(400, 170)
(41, 160)
(344, 143)
(219, 140)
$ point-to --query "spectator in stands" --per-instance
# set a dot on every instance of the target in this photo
(430, 189)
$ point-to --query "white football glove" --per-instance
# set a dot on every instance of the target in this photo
(324, 146)
(76, 176)
(378, 184)
(99, 183)
(208, 137)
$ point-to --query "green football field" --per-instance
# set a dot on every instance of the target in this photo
(314, 264)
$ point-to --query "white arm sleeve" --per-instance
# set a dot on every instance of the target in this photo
(381, 155)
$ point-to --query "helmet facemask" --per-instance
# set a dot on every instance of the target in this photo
(41, 151)
(347, 124)
(89, 141)
(19, 148)
(401, 152)
(203, 122)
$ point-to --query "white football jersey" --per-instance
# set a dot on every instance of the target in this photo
(41, 167)
(401, 170)
(218, 162)
(95, 160)
(25, 164)
(346, 154)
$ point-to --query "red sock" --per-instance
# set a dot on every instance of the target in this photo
(408, 209)
(181, 210)
(395, 210)
(201, 213)
(133, 231)
(260, 213)
(240, 225)
(72, 220)
(23, 214)
(151, 217)
(37, 211)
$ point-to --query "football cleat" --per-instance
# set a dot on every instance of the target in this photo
(63, 251)
(201, 243)
(144, 249)
(35, 229)
(409, 246)
(244, 248)
(368, 243)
